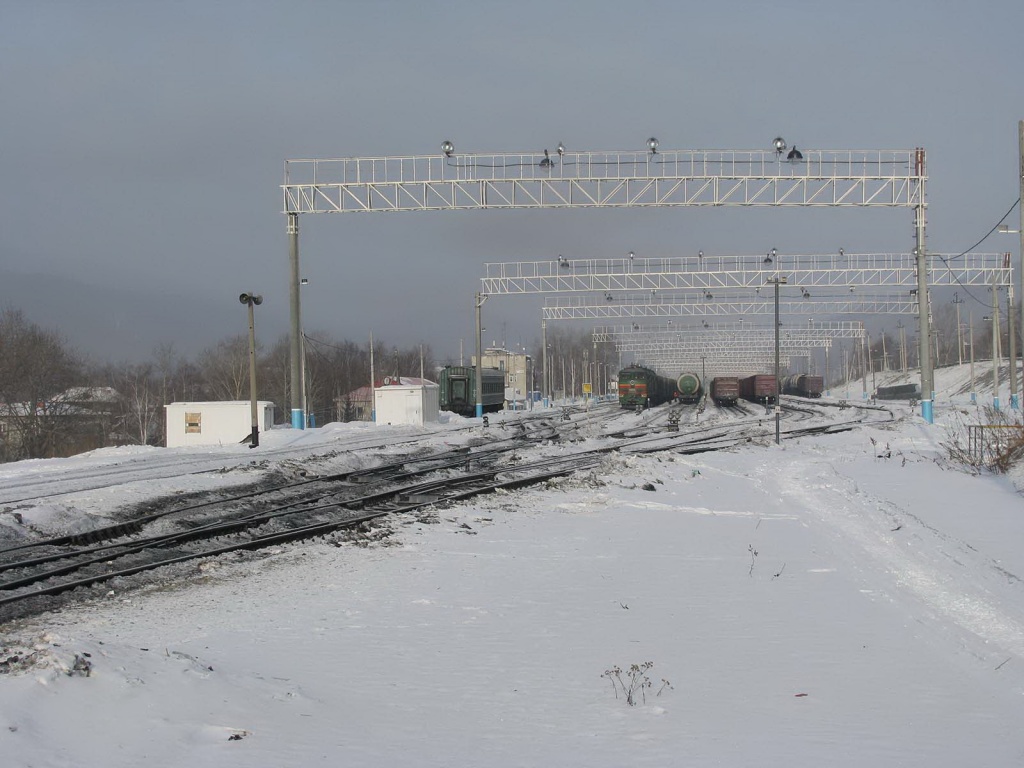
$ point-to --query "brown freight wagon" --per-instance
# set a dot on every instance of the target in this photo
(759, 388)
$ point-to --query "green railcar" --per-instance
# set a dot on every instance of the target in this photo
(644, 388)
(458, 389)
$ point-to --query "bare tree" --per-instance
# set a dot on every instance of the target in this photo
(225, 369)
(36, 370)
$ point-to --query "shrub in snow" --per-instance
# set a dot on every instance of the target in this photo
(634, 682)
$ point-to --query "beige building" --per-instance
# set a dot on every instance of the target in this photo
(518, 368)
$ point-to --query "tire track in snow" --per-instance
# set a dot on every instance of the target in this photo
(915, 559)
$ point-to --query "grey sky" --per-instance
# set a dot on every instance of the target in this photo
(142, 145)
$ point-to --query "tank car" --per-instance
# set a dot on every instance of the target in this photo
(690, 387)
(639, 386)
(458, 389)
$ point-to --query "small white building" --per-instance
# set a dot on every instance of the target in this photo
(215, 423)
(407, 401)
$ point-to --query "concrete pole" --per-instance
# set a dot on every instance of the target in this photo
(863, 362)
(970, 330)
(373, 398)
(778, 392)
(1020, 271)
(995, 346)
(957, 301)
(927, 376)
(1010, 314)
(479, 302)
(544, 361)
(295, 334)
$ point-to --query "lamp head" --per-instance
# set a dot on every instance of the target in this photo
(652, 145)
(779, 144)
(447, 147)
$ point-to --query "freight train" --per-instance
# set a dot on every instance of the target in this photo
(725, 390)
(690, 388)
(639, 386)
(803, 385)
(458, 389)
(759, 388)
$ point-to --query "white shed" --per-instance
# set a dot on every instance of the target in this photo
(404, 402)
(215, 423)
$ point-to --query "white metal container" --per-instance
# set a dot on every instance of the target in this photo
(414, 404)
(215, 423)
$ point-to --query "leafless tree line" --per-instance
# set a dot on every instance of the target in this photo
(42, 377)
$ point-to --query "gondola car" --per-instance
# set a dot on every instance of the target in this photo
(639, 386)
(458, 389)
(725, 390)
(803, 385)
(690, 387)
(759, 388)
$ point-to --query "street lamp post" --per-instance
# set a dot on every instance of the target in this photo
(251, 299)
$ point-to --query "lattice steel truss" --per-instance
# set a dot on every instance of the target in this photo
(708, 275)
(604, 179)
(726, 335)
(631, 178)
(599, 307)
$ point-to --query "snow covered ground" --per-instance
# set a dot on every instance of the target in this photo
(848, 600)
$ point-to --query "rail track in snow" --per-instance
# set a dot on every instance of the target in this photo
(36, 576)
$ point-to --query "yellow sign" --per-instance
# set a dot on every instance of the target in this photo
(587, 389)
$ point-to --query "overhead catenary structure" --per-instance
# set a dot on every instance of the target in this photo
(712, 285)
(649, 177)
(737, 348)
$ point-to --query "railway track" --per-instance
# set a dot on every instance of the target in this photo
(40, 575)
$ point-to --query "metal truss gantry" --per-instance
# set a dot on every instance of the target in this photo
(721, 273)
(598, 307)
(724, 335)
(606, 179)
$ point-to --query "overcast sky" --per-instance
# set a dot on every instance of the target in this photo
(142, 145)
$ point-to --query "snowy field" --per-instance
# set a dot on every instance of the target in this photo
(849, 600)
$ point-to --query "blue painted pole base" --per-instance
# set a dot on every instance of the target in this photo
(974, 397)
(1014, 403)
(479, 410)
(926, 411)
(995, 403)
(298, 419)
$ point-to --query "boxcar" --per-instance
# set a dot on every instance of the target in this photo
(458, 389)
(759, 388)
(725, 390)
(690, 387)
(639, 386)
(803, 385)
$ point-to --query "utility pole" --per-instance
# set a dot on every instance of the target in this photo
(957, 301)
(863, 362)
(970, 330)
(927, 376)
(478, 302)
(995, 346)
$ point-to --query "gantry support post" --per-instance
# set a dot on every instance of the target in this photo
(295, 332)
(925, 352)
